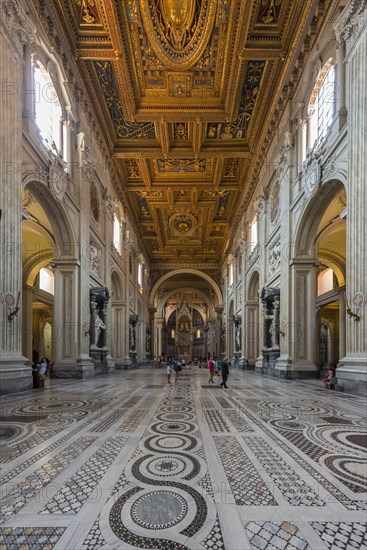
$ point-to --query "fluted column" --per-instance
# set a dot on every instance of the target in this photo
(351, 30)
(15, 32)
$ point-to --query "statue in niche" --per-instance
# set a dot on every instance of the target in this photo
(223, 338)
(272, 333)
(238, 338)
(98, 327)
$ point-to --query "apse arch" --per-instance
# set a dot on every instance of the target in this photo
(165, 297)
(153, 298)
(197, 308)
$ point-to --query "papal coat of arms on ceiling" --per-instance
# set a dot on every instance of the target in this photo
(178, 30)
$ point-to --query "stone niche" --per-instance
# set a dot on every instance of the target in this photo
(270, 300)
(98, 350)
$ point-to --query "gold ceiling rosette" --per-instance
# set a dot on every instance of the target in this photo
(178, 30)
(182, 225)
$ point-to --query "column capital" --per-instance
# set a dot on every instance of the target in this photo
(19, 28)
(351, 22)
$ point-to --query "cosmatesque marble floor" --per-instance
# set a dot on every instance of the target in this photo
(129, 461)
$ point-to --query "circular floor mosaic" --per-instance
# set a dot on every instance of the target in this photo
(172, 427)
(159, 510)
(174, 416)
(170, 442)
(174, 408)
(166, 466)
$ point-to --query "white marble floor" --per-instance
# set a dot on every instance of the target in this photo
(128, 461)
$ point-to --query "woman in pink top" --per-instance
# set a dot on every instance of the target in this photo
(211, 367)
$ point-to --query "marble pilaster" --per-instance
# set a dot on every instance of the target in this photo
(301, 329)
(15, 32)
(351, 30)
(67, 325)
(116, 349)
(84, 362)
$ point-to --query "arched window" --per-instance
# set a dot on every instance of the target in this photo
(325, 281)
(140, 275)
(230, 274)
(253, 234)
(117, 242)
(48, 112)
(322, 106)
(47, 280)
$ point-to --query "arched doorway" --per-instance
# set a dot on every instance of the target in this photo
(252, 320)
(50, 280)
(319, 273)
(116, 318)
(38, 253)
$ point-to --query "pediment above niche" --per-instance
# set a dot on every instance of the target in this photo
(178, 30)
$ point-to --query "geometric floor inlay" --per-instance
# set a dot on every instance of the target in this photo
(276, 536)
(129, 461)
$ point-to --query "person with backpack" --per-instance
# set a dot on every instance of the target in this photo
(176, 369)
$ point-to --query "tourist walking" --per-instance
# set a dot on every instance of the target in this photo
(211, 367)
(225, 373)
(169, 372)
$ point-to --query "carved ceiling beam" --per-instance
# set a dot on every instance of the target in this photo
(194, 196)
(164, 136)
(94, 54)
(121, 50)
(170, 198)
(158, 228)
(260, 53)
(197, 136)
(218, 171)
(235, 77)
(176, 185)
(144, 172)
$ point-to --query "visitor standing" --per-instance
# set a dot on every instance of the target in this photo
(176, 369)
(169, 372)
(225, 373)
(211, 367)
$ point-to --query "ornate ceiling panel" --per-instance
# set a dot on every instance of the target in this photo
(184, 91)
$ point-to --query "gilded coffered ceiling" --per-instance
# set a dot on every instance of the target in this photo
(184, 91)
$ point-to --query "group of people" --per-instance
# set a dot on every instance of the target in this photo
(330, 379)
(174, 368)
(218, 367)
(40, 368)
